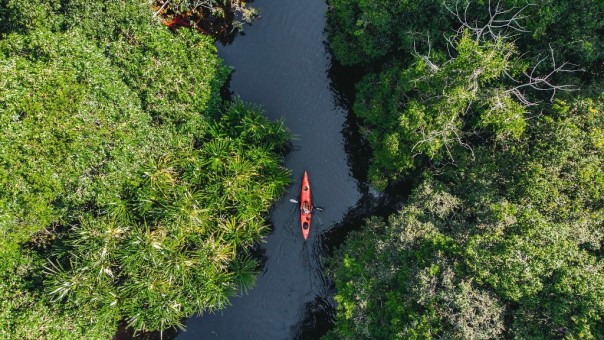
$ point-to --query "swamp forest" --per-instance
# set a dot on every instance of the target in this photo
(152, 154)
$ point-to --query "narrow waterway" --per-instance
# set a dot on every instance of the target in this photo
(282, 64)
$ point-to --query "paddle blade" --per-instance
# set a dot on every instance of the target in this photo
(319, 208)
(293, 200)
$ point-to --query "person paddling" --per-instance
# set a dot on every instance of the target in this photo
(305, 208)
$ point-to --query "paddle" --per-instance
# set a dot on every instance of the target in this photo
(314, 208)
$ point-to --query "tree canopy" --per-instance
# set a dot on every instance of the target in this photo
(131, 191)
(422, 111)
(365, 32)
(496, 108)
(515, 233)
(470, 68)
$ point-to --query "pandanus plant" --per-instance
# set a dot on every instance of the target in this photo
(176, 241)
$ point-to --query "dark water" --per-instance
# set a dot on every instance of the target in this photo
(282, 64)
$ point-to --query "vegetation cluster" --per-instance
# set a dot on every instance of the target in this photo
(496, 108)
(130, 191)
(220, 18)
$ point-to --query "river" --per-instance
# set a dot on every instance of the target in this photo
(282, 64)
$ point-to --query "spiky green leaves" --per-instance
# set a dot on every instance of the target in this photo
(129, 192)
(171, 244)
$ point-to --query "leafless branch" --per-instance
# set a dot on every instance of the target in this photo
(542, 83)
(498, 24)
(161, 8)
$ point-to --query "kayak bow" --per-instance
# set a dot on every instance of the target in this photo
(305, 206)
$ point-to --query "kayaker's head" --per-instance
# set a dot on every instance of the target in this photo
(305, 207)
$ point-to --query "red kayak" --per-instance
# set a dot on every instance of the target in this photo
(305, 206)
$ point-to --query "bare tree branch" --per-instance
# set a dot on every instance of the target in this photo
(499, 23)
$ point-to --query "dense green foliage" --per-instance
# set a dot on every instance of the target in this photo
(503, 234)
(211, 16)
(129, 191)
(518, 233)
(424, 110)
(457, 72)
(363, 31)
